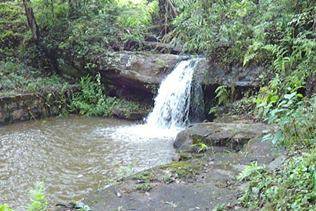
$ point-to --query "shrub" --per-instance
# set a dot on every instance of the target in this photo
(297, 127)
(38, 200)
(91, 100)
(291, 188)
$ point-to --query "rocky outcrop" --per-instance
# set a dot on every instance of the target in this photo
(142, 70)
(134, 74)
(231, 135)
(202, 182)
(31, 106)
(137, 75)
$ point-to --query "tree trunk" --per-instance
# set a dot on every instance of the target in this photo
(31, 21)
(167, 12)
(50, 54)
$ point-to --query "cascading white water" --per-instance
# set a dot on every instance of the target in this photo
(171, 110)
(173, 100)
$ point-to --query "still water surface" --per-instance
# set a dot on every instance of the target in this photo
(72, 156)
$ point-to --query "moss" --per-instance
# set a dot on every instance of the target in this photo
(144, 187)
(184, 156)
(184, 169)
(145, 176)
(161, 62)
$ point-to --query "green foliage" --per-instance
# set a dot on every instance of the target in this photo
(16, 77)
(222, 95)
(214, 27)
(297, 127)
(38, 199)
(144, 187)
(291, 188)
(72, 30)
(12, 28)
(201, 147)
(90, 28)
(277, 34)
(92, 100)
(5, 207)
(144, 178)
(271, 103)
(250, 170)
(135, 17)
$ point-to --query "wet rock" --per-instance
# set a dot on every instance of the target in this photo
(212, 73)
(136, 115)
(232, 135)
(197, 104)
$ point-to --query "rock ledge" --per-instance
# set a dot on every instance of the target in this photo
(232, 135)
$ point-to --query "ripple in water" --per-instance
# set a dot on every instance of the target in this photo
(72, 157)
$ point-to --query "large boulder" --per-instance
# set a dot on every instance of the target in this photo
(136, 74)
(230, 135)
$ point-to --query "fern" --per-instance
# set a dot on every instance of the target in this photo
(222, 95)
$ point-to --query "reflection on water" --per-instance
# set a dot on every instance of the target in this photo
(72, 156)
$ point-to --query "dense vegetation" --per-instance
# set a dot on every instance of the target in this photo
(279, 35)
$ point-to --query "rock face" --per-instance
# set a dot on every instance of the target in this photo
(30, 106)
(137, 75)
(231, 135)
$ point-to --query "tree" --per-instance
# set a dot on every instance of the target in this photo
(31, 21)
(50, 54)
(167, 12)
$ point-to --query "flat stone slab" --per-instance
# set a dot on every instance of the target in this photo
(229, 135)
(213, 184)
(167, 197)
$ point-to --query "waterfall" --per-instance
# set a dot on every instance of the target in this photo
(172, 103)
(171, 111)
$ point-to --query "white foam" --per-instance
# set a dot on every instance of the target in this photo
(170, 113)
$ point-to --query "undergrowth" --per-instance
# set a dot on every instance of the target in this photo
(93, 101)
(17, 77)
(293, 187)
(37, 202)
